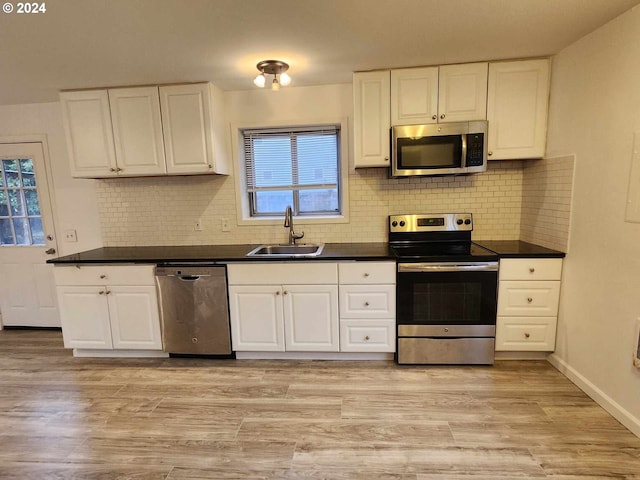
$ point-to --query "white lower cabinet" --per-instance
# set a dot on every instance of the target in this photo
(367, 306)
(299, 313)
(108, 307)
(528, 297)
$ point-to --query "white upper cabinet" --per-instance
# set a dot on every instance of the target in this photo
(517, 104)
(462, 92)
(193, 128)
(450, 93)
(137, 130)
(371, 119)
(140, 131)
(414, 96)
(87, 121)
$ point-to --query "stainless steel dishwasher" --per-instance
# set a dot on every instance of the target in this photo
(194, 309)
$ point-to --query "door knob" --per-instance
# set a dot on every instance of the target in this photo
(50, 251)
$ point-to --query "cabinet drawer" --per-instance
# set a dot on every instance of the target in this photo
(530, 269)
(105, 275)
(367, 273)
(367, 336)
(526, 334)
(367, 301)
(302, 273)
(528, 298)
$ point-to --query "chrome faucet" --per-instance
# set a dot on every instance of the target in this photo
(288, 223)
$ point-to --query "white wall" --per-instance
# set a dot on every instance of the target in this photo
(74, 200)
(595, 108)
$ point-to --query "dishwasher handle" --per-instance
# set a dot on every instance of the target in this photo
(190, 278)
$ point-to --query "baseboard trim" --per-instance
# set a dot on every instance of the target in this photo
(601, 398)
(313, 356)
(98, 353)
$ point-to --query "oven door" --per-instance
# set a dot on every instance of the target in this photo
(446, 313)
(447, 299)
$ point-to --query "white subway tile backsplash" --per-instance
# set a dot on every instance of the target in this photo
(164, 210)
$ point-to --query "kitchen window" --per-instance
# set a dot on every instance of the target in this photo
(297, 166)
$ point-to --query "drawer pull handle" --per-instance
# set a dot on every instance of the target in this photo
(527, 334)
(529, 299)
(531, 269)
(366, 337)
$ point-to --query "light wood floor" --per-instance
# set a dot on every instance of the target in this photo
(71, 418)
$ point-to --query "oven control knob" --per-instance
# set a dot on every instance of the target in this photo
(467, 221)
(459, 221)
(402, 224)
(394, 224)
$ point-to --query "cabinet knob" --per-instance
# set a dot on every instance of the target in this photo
(434, 117)
(442, 116)
(210, 166)
(108, 292)
(366, 275)
(529, 299)
(386, 159)
(531, 270)
(527, 334)
(366, 337)
(50, 251)
(285, 292)
(101, 292)
(118, 169)
(489, 153)
(103, 276)
(366, 304)
(278, 292)
(49, 237)
(446, 329)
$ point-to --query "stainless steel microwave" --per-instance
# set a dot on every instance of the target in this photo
(439, 149)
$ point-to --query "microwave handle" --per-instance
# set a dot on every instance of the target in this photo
(463, 163)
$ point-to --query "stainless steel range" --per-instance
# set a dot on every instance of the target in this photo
(446, 290)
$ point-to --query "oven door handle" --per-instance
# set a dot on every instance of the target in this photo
(448, 267)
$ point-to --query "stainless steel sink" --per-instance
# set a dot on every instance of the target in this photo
(300, 250)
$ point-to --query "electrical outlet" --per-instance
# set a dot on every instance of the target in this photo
(70, 235)
(225, 224)
(198, 226)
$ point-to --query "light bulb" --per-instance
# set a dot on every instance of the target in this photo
(259, 80)
(285, 79)
(275, 86)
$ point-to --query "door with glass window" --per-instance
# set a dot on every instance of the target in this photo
(27, 238)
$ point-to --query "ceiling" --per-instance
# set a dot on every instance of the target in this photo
(99, 43)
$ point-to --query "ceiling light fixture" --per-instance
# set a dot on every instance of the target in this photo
(275, 68)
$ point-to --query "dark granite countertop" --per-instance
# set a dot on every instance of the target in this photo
(235, 253)
(218, 253)
(518, 249)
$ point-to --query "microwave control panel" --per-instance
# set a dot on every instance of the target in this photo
(475, 149)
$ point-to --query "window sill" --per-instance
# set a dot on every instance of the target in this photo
(298, 220)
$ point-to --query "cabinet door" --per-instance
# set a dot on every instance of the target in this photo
(87, 122)
(137, 130)
(84, 316)
(256, 318)
(371, 119)
(135, 321)
(311, 318)
(517, 104)
(462, 92)
(414, 96)
(188, 128)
